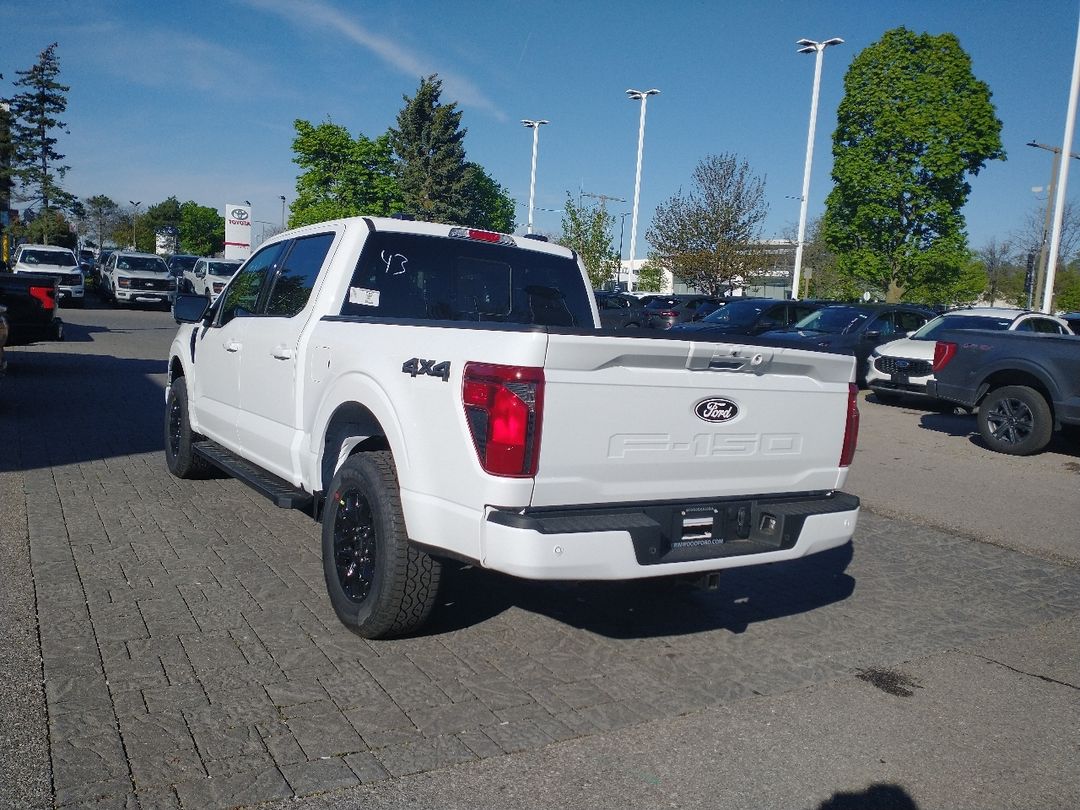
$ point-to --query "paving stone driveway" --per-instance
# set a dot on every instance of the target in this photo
(191, 658)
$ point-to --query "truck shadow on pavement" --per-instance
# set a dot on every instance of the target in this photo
(881, 796)
(69, 408)
(653, 607)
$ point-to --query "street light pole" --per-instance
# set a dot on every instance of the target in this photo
(134, 217)
(643, 96)
(535, 127)
(283, 212)
(817, 48)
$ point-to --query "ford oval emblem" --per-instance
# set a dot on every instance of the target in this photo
(716, 409)
(240, 213)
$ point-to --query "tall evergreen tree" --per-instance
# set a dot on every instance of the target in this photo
(35, 116)
(429, 146)
(913, 124)
(489, 205)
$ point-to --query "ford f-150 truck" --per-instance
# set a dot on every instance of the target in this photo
(30, 299)
(1024, 384)
(441, 392)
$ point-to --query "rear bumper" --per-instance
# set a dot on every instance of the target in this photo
(634, 542)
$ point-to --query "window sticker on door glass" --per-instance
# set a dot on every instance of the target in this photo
(363, 297)
(395, 263)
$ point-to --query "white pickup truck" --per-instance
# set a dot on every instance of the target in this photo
(439, 392)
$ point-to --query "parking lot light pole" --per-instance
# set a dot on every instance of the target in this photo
(282, 197)
(134, 217)
(535, 127)
(817, 48)
(643, 96)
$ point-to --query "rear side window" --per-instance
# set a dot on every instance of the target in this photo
(296, 277)
(442, 278)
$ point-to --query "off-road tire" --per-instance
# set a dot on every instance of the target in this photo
(1015, 420)
(179, 456)
(380, 584)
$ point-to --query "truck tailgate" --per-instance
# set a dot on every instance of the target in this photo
(630, 419)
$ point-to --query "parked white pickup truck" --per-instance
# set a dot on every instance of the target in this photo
(439, 392)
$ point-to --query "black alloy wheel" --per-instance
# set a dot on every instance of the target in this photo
(355, 545)
(1015, 420)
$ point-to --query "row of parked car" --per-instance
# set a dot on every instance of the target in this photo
(124, 276)
(893, 343)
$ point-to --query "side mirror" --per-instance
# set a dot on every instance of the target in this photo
(872, 334)
(190, 308)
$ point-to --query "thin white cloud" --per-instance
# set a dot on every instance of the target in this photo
(317, 15)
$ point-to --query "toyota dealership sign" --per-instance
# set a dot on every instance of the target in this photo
(237, 231)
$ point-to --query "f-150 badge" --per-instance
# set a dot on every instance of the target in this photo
(716, 409)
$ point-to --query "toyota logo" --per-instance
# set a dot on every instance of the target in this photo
(240, 213)
(716, 409)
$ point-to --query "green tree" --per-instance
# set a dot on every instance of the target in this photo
(710, 237)
(46, 228)
(100, 215)
(650, 276)
(342, 176)
(913, 124)
(429, 145)
(202, 229)
(1067, 289)
(165, 214)
(488, 204)
(34, 118)
(588, 230)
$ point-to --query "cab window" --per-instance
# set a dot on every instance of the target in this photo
(242, 296)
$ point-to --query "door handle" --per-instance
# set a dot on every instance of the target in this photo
(282, 353)
(232, 346)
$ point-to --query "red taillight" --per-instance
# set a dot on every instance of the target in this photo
(851, 429)
(668, 313)
(504, 407)
(943, 353)
(482, 236)
(46, 295)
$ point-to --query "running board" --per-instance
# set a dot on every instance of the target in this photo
(278, 490)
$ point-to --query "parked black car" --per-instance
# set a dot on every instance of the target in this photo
(620, 311)
(854, 329)
(749, 316)
(178, 263)
(1073, 320)
(666, 311)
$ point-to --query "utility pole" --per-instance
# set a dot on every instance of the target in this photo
(1044, 256)
(603, 198)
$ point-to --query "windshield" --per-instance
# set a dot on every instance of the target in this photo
(183, 262)
(663, 303)
(834, 320)
(737, 313)
(56, 258)
(141, 264)
(943, 322)
(222, 268)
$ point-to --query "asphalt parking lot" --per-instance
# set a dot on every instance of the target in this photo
(168, 643)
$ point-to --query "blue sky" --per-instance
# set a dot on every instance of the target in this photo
(197, 99)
